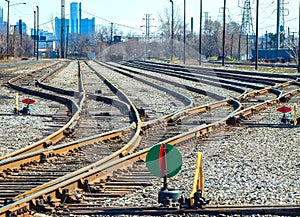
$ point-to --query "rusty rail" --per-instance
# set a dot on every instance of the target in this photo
(59, 189)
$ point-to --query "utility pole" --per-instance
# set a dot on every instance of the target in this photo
(172, 31)
(299, 40)
(147, 33)
(256, 35)
(34, 34)
(67, 43)
(7, 28)
(231, 47)
(266, 40)
(224, 34)
(111, 33)
(38, 35)
(184, 30)
(200, 35)
(62, 30)
(277, 30)
(20, 32)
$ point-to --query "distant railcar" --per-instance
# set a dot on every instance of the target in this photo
(284, 55)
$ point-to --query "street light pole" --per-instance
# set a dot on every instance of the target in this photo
(299, 41)
(38, 35)
(184, 32)
(224, 34)
(172, 31)
(7, 23)
(7, 28)
(34, 34)
(256, 36)
(200, 34)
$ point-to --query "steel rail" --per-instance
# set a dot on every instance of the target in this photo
(261, 64)
(280, 97)
(259, 77)
(36, 151)
(189, 110)
(228, 70)
(186, 100)
(278, 210)
(127, 149)
(65, 187)
(100, 172)
(211, 78)
(204, 92)
(59, 134)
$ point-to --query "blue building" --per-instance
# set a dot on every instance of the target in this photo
(1, 15)
(58, 28)
(87, 27)
(23, 26)
(1, 19)
(75, 25)
(74, 17)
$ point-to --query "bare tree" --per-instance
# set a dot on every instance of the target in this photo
(165, 20)
(211, 44)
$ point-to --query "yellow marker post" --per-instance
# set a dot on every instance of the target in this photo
(198, 185)
(17, 103)
(295, 114)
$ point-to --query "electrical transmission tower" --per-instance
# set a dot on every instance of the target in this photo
(247, 24)
(147, 19)
(246, 27)
(281, 13)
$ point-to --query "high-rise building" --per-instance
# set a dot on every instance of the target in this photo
(1, 15)
(75, 25)
(1, 19)
(78, 25)
(58, 28)
(21, 25)
(74, 17)
(87, 27)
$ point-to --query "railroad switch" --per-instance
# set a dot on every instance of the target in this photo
(286, 119)
(164, 161)
(169, 197)
(26, 110)
(199, 200)
(234, 120)
(196, 197)
(68, 132)
(142, 113)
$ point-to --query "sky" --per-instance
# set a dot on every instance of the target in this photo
(132, 12)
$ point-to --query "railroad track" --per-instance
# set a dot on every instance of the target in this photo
(84, 209)
(213, 74)
(29, 175)
(94, 176)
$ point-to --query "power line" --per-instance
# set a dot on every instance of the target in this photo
(109, 21)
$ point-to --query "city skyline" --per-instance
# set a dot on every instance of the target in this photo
(131, 12)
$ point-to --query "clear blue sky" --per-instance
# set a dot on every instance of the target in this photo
(132, 12)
